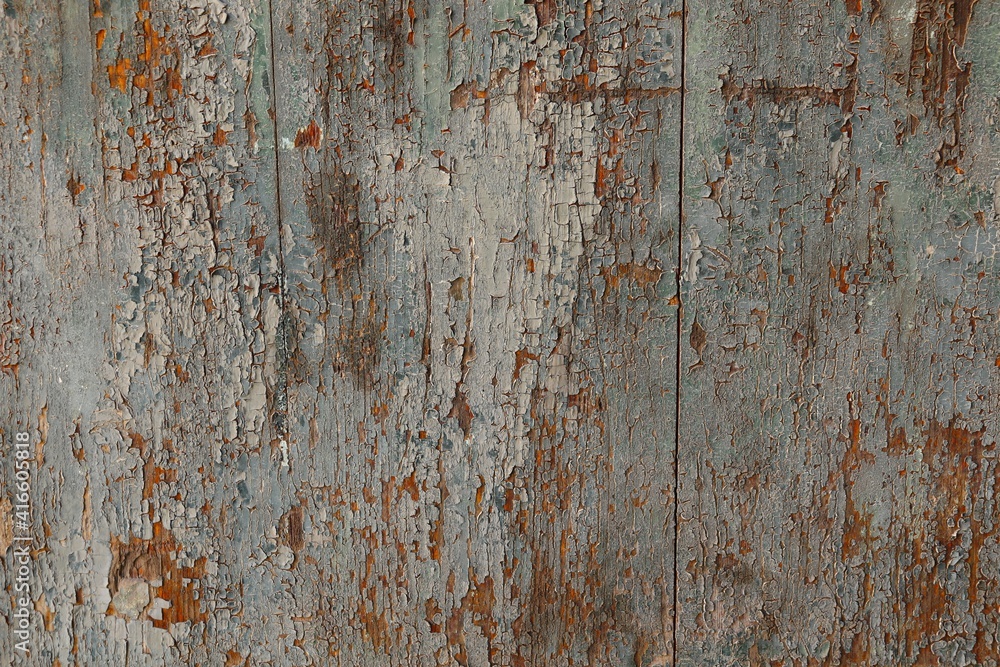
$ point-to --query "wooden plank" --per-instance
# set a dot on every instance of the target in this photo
(837, 441)
(478, 209)
(140, 271)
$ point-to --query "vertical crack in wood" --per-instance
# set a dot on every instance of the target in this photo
(680, 325)
(279, 419)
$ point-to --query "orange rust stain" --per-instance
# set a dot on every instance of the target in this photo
(938, 76)
(858, 653)
(255, 242)
(155, 561)
(388, 493)
(181, 374)
(858, 523)
(101, 34)
(436, 537)
(833, 209)
(207, 49)
(521, 357)
(585, 401)
(411, 12)
(155, 49)
(310, 135)
(749, 92)
(612, 156)
(546, 11)
(925, 611)
(75, 187)
(642, 276)
(698, 338)
(374, 624)
(118, 74)
(839, 275)
(409, 485)
(138, 442)
(153, 475)
(879, 194)
(455, 633)
(132, 173)
(898, 443)
(955, 459)
(478, 602)
(153, 44)
(431, 612)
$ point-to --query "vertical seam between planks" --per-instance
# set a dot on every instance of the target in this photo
(282, 333)
(680, 320)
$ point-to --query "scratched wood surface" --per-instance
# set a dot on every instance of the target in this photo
(399, 332)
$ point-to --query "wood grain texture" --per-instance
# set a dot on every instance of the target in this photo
(431, 420)
(479, 214)
(837, 446)
(140, 331)
(378, 332)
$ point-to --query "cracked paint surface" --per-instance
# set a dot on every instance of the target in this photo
(378, 333)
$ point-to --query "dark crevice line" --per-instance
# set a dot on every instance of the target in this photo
(281, 411)
(680, 326)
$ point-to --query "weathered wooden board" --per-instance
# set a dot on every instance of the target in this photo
(479, 205)
(839, 349)
(140, 313)
(346, 333)
(432, 420)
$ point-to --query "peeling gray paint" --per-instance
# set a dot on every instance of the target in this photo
(348, 334)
